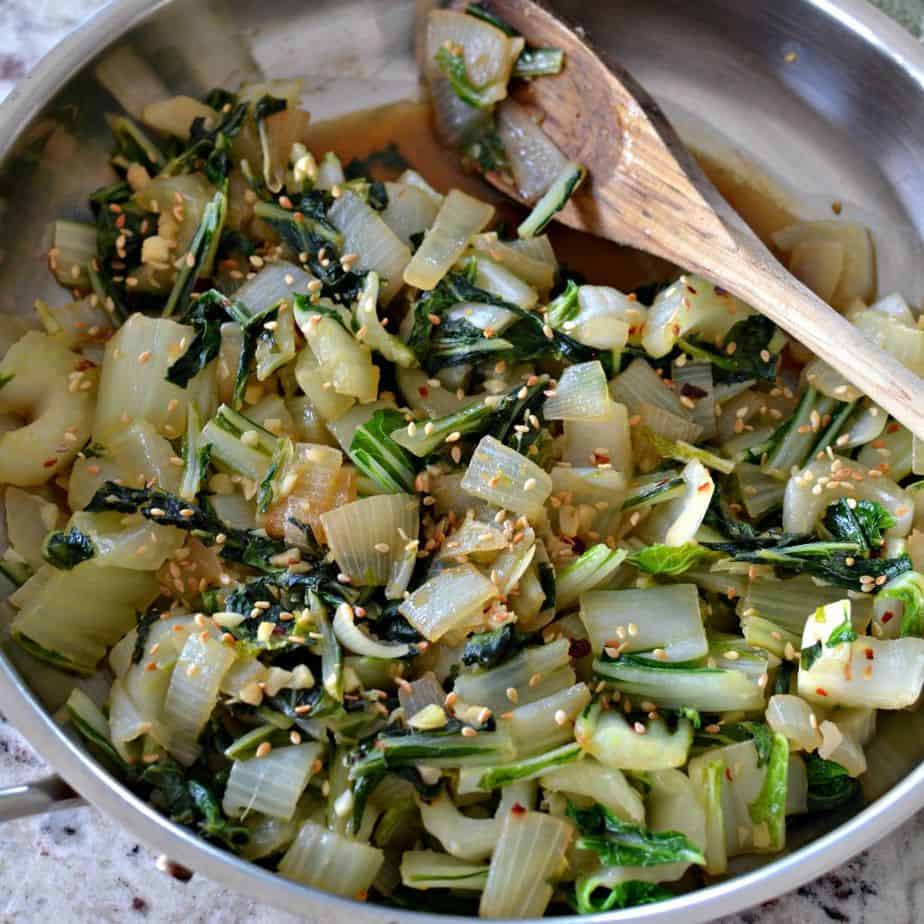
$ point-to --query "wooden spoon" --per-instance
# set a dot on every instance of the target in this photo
(645, 189)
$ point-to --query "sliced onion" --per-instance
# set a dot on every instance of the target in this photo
(389, 521)
(536, 267)
(606, 319)
(29, 518)
(460, 217)
(502, 282)
(535, 160)
(857, 279)
(639, 384)
(501, 476)
(581, 393)
(895, 306)
(792, 716)
(677, 521)
(819, 264)
(903, 341)
(275, 283)
(409, 211)
(489, 52)
(829, 381)
(482, 316)
(802, 507)
(366, 234)
(603, 439)
(693, 380)
(354, 639)
(667, 424)
(447, 600)
(692, 305)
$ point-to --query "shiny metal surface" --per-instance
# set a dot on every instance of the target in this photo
(49, 795)
(827, 96)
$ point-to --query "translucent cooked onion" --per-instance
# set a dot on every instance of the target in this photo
(546, 723)
(581, 393)
(669, 425)
(193, 693)
(501, 476)
(29, 518)
(530, 855)
(366, 234)
(271, 785)
(489, 52)
(858, 273)
(535, 160)
(354, 639)
(276, 282)
(409, 211)
(459, 217)
(605, 785)
(693, 381)
(690, 306)
(497, 279)
(792, 716)
(368, 537)
(536, 267)
(662, 617)
(677, 521)
(329, 861)
(605, 439)
(639, 384)
(449, 599)
(606, 318)
(802, 507)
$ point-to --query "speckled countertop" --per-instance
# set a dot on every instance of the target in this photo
(78, 867)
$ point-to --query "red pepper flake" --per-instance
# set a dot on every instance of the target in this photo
(869, 654)
(705, 486)
(578, 648)
(518, 809)
(728, 775)
(423, 391)
(893, 428)
(48, 463)
(887, 616)
(821, 691)
(83, 364)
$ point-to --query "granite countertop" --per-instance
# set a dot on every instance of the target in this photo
(79, 867)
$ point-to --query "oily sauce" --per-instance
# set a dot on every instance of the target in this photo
(409, 126)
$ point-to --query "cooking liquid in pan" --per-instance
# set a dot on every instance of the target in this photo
(409, 126)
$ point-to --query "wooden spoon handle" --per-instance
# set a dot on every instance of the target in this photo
(769, 288)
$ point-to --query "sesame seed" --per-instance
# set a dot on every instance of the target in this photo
(561, 717)
(264, 749)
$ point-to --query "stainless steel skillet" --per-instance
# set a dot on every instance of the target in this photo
(827, 95)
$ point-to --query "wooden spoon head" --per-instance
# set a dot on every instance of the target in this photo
(643, 187)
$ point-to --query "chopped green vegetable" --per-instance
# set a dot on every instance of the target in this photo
(618, 843)
(65, 549)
